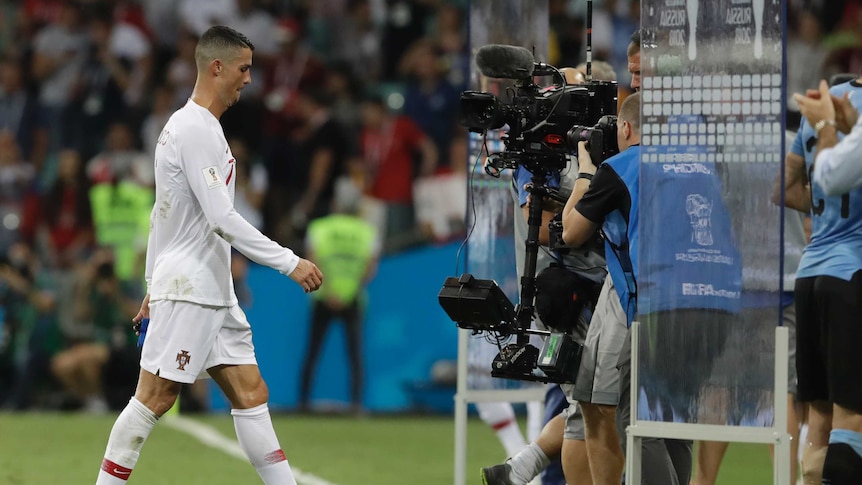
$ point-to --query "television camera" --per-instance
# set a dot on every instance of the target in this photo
(544, 123)
(542, 127)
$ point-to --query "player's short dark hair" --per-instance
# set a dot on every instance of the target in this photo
(634, 44)
(631, 111)
(217, 41)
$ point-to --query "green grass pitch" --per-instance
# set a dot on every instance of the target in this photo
(66, 449)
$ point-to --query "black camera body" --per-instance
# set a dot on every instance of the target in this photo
(545, 124)
(601, 138)
(481, 306)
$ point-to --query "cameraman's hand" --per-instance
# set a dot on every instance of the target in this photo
(548, 203)
(585, 161)
(307, 275)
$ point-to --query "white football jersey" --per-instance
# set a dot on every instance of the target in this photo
(193, 223)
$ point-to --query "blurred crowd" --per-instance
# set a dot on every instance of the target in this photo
(362, 93)
(345, 93)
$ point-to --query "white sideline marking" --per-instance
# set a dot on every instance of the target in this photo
(211, 437)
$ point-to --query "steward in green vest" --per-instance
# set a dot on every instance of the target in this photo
(345, 245)
(121, 218)
(345, 248)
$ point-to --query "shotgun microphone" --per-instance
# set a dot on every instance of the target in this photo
(505, 61)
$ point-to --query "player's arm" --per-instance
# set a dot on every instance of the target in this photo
(797, 194)
(837, 169)
(150, 261)
(143, 313)
(819, 108)
(846, 115)
(200, 159)
(577, 229)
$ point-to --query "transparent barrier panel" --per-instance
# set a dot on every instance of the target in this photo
(710, 237)
(491, 248)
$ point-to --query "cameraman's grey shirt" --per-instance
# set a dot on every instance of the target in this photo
(589, 263)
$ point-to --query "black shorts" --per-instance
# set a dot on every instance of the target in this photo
(678, 350)
(829, 340)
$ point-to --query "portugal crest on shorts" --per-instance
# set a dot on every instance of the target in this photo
(183, 358)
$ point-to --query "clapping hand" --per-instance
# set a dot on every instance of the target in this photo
(816, 105)
(845, 113)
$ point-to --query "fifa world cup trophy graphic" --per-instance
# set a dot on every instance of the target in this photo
(691, 7)
(699, 210)
(758, 26)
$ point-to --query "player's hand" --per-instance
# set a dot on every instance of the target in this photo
(845, 114)
(307, 275)
(143, 313)
(816, 107)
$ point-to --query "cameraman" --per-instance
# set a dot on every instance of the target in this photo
(606, 197)
(588, 262)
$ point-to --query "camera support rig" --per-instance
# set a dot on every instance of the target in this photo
(559, 355)
(481, 306)
(544, 126)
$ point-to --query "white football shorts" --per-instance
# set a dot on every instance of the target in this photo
(185, 339)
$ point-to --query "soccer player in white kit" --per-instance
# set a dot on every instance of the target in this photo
(196, 324)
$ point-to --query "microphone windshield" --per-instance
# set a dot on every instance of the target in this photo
(505, 61)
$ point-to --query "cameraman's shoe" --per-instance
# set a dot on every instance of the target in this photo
(497, 475)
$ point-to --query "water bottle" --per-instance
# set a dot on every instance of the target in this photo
(142, 331)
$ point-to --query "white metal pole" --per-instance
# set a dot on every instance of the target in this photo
(633, 442)
(781, 466)
(461, 411)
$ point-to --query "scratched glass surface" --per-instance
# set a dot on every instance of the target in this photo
(491, 248)
(710, 239)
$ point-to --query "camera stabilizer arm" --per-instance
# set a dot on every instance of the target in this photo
(526, 306)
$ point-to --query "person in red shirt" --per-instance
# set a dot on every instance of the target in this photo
(388, 145)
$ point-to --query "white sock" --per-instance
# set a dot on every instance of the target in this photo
(527, 464)
(500, 416)
(535, 418)
(128, 435)
(510, 436)
(257, 438)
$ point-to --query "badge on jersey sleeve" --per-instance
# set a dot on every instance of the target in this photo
(212, 177)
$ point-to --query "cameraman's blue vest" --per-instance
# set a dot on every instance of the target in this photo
(621, 232)
(689, 259)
